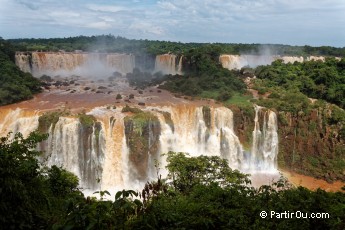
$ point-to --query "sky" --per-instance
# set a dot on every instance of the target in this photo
(292, 22)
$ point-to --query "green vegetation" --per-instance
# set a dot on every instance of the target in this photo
(204, 76)
(241, 100)
(139, 120)
(315, 79)
(14, 84)
(32, 197)
(142, 131)
(199, 193)
(187, 172)
(314, 129)
(48, 119)
(131, 109)
(86, 121)
(141, 79)
(110, 43)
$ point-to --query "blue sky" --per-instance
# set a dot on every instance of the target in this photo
(294, 22)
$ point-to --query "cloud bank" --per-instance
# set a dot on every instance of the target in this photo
(302, 22)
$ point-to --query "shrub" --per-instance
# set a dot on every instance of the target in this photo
(224, 95)
(118, 97)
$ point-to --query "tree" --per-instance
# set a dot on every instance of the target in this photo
(22, 193)
(15, 85)
(186, 172)
(62, 182)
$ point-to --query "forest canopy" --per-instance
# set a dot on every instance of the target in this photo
(15, 85)
(200, 193)
(315, 79)
(111, 43)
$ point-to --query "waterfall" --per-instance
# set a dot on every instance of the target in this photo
(316, 58)
(179, 68)
(23, 61)
(239, 61)
(191, 134)
(49, 62)
(73, 63)
(102, 156)
(123, 63)
(166, 63)
(265, 142)
(292, 59)
(78, 149)
(18, 120)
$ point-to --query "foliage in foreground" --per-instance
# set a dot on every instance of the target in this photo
(199, 193)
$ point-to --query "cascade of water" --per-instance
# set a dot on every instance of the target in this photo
(179, 68)
(22, 60)
(66, 63)
(230, 146)
(46, 62)
(100, 157)
(77, 149)
(166, 63)
(239, 61)
(191, 134)
(63, 143)
(117, 169)
(291, 59)
(18, 120)
(265, 142)
(316, 58)
(123, 63)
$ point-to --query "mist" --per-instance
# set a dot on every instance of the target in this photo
(262, 55)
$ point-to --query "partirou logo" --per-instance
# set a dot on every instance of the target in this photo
(297, 214)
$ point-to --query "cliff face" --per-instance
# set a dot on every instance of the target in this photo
(307, 144)
(310, 146)
(142, 131)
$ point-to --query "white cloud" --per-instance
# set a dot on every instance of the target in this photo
(167, 5)
(99, 25)
(65, 14)
(147, 28)
(107, 18)
(105, 8)
(280, 21)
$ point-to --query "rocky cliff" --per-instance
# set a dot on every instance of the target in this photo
(309, 143)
